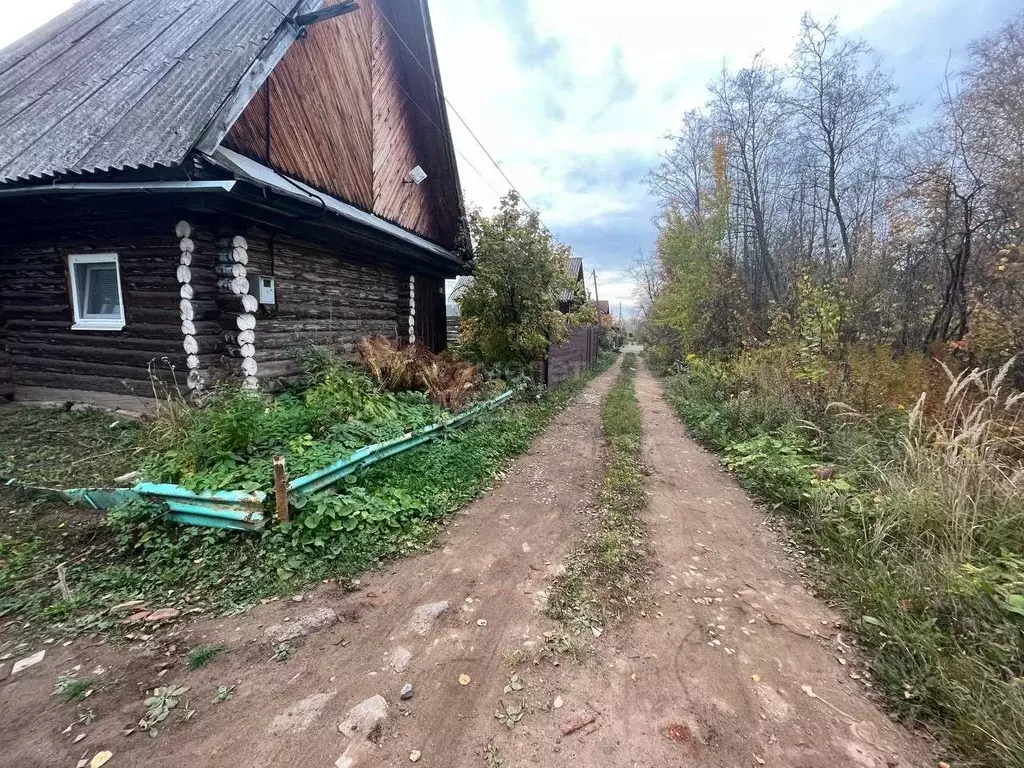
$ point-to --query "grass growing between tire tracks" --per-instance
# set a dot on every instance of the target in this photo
(606, 578)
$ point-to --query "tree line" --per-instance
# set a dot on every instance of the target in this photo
(802, 189)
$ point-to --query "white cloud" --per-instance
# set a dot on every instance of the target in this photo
(573, 97)
(586, 89)
(666, 50)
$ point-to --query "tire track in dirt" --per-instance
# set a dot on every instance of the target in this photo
(713, 676)
(502, 553)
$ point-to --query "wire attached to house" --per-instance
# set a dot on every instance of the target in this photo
(447, 101)
(441, 131)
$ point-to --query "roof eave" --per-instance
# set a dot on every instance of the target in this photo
(259, 175)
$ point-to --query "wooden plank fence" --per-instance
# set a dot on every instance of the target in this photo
(574, 356)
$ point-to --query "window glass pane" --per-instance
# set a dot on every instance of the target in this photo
(98, 295)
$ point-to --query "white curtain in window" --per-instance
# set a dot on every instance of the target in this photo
(98, 295)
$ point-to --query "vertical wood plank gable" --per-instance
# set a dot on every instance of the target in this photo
(320, 111)
(352, 112)
(408, 127)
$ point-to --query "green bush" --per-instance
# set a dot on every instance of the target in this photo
(778, 466)
(231, 439)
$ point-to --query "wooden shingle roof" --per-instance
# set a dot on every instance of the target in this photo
(114, 84)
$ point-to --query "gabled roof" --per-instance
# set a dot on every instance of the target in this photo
(576, 273)
(603, 307)
(111, 84)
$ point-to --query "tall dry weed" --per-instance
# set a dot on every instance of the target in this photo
(961, 480)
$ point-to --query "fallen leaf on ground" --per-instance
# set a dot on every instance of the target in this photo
(756, 678)
(464, 679)
(100, 758)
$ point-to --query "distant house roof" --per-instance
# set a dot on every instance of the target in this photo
(114, 84)
(603, 307)
(576, 273)
(461, 285)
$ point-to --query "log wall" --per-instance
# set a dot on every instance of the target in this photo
(35, 307)
(323, 298)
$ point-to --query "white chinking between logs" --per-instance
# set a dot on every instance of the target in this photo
(195, 380)
(412, 309)
(233, 272)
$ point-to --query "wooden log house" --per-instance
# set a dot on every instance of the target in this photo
(198, 189)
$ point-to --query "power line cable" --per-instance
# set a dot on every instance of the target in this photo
(444, 135)
(462, 120)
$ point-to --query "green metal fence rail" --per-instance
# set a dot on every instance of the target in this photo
(246, 510)
(371, 454)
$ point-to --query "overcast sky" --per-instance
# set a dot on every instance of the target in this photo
(573, 97)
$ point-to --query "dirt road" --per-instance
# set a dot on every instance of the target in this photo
(712, 676)
(715, 674)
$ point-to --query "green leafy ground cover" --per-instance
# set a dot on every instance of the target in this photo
(917, 535)
(605, 578)
(231, 440)
(132, 553)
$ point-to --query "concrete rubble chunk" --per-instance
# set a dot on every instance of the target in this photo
(423, 618)
(365, 721)
(27, 662)
(400, 658)
(315, 620)
(359, 753)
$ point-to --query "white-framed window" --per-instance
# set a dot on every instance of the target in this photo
(96, 291)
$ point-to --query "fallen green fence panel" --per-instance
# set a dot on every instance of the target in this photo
(235, 510)
(94, 498)
(244, 510)
(99, 498)
(364, 457)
